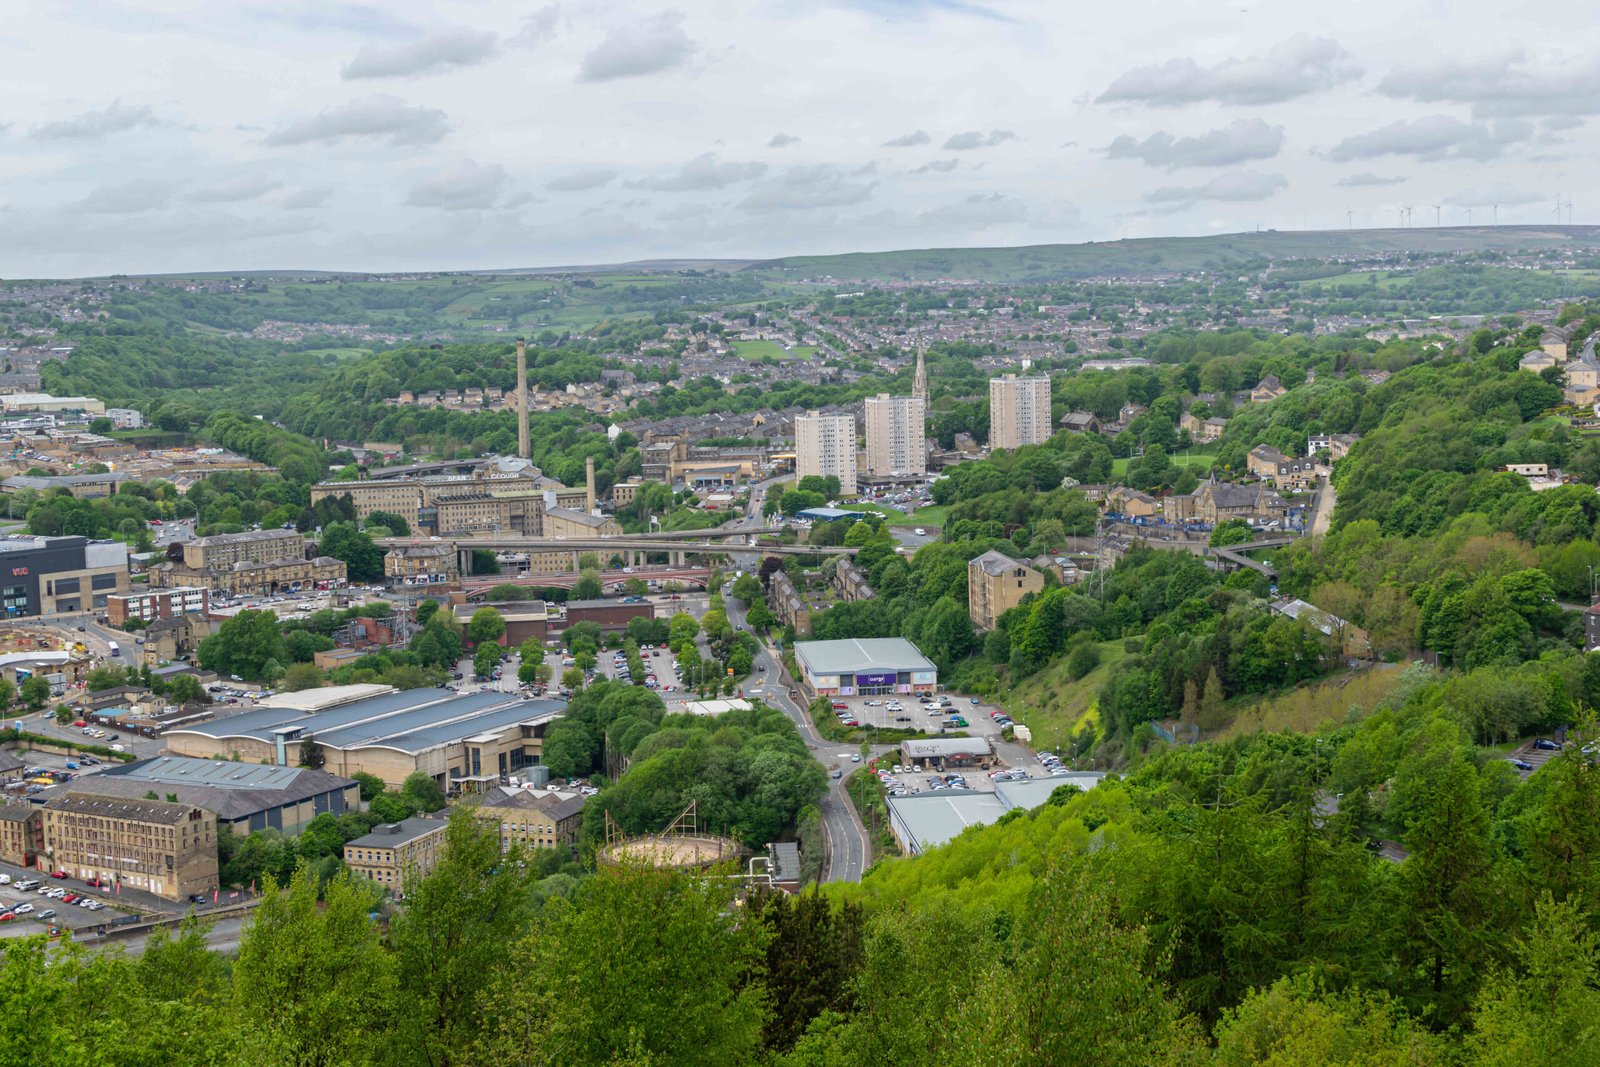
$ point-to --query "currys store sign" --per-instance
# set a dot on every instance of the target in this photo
(875, 679)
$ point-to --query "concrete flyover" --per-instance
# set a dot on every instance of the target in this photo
(475, 588)
(638, 544)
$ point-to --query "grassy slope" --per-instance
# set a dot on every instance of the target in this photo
(1163, 254)
(1306, 708)
(1051, 704)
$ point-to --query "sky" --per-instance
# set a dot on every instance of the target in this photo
(200, 135)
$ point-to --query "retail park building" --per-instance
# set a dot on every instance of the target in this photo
(865, 667)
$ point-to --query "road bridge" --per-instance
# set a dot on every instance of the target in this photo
(632, 547)
(475, 588)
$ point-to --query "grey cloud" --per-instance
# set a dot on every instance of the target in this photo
(1367, 178)
(909, 140)
(467, 186)
(379, 117)
(647, 47)
(1510, 85)
(1433, 138)
(440, 51)
(310, 197)
(92, 124)
(702, 173)
(1235, 185)
(805, 188)
(580, 181)
(976, 211)
(1298, 67)
(129, 198)
(250, 187)
(1562, 122)
(937, 166)
(1489, 195)
(516, 200)
(1239, 142)
(782, 140)
(538, 27)
(965, 142)
(365, 20)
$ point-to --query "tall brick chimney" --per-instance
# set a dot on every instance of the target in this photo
(524, 448)
(588, 476)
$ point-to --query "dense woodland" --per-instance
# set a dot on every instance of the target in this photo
(1206, 909)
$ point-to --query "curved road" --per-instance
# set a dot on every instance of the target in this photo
(849, 851)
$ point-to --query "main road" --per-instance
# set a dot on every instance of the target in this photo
(849, 848)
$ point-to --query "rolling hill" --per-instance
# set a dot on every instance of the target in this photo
(1166, 255)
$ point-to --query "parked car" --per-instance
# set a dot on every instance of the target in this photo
(1519, 764)
(58, 874)
(22, 909)
(48, 913)
(1543, 742)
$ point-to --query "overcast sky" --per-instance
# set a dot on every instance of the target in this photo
(169, 135)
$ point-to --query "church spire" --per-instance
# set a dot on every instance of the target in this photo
(919, 381)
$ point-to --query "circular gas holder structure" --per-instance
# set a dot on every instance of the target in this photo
(680, 847)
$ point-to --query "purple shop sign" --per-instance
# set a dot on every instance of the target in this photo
(875, 679)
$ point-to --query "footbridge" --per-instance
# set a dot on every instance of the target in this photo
(1234, 555)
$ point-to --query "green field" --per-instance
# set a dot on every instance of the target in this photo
(1386, 280)
(1193, 456)
(772, 350)
(932, 515)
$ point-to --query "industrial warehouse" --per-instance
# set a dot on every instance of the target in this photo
(462, 741)
(243, 796)
(865, 667)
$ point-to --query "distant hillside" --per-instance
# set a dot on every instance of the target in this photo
(1164, 255)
